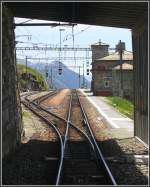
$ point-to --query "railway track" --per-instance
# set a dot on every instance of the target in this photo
(80, 162)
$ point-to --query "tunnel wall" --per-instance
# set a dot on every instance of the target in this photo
(140, 59)
(11, 108)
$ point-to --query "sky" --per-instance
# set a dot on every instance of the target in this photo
(84, 36)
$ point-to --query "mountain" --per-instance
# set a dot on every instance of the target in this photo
(68, 78)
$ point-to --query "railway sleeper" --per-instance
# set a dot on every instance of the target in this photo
(85, 179)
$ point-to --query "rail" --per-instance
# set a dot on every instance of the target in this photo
(95, 143)
(90, 139)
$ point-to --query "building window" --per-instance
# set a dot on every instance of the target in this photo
(107, 82)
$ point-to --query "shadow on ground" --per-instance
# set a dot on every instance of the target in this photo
(28, 167)
(124, 171)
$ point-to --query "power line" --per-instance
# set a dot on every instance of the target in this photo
(76, 34)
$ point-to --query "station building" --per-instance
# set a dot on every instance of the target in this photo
(106, 71)
(127, 71)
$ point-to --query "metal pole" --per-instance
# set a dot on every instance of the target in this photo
(121, 73)
(73, 44)
(121, 70)
(26, 65)
(45, 24)
(26, 72)
(60, 48)
(79, 76)
(83, 75)
(51, 78)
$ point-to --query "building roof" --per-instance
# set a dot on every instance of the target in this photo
(125, 66)
(127, 55)
(100, 43)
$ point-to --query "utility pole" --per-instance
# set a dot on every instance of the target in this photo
(51, 78)
(121, 73)
(79, 76)
(73, 43)
(26, 72)
(46, 73)
(26, 65)
(60, 68)
(83, 76)
(120, 47)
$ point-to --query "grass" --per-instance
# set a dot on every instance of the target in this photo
(39, 77)
(26, 114)
(122, 105)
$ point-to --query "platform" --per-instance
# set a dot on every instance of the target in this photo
(122, 125)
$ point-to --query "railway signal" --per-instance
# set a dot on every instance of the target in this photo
(46, 74)
(87, 71)
(59, 70)
(87, 68)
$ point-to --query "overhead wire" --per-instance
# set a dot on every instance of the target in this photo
(38, 52)
(65, 39)
(26, 21)
(72, 36)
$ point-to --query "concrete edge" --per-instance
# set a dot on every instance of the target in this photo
(109, 121)
(146, 145)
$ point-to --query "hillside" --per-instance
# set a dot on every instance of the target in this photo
(68, 78)
(33, 80)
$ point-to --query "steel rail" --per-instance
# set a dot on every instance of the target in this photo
(68, 123)
(64, 144)
(44, 97)
(63, 119)
(95, 143)
(82, 132)
(57, 131)
(28, 93)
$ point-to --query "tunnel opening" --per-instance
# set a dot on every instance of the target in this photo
(139, 37)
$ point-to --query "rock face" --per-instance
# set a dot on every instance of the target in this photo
(30, 79)
(11, 113)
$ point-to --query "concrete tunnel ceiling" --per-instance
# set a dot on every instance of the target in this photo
(118, 14)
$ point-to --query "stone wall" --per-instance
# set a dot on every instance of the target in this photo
(103, 83)
(11, 108)
(127, 83)
(99, 51)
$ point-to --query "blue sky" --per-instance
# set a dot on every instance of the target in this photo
(85, 35)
